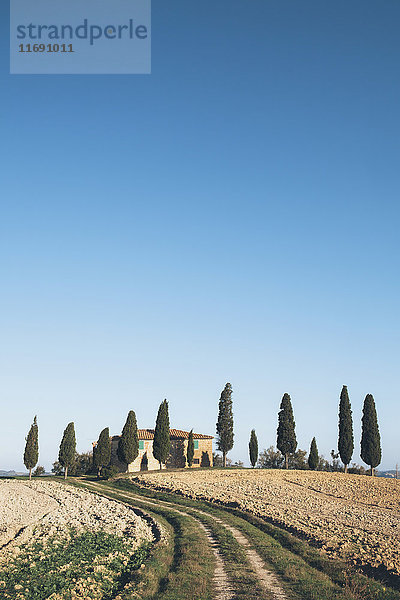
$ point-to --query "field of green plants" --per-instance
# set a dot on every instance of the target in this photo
(90, 565)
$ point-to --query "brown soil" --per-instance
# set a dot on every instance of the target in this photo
(350, 516)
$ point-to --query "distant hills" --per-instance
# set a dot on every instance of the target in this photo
(10, 473)
(390, 474)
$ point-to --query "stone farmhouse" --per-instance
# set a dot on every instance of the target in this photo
(145, 461)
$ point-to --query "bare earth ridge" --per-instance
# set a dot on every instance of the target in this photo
(35, 510)
(350, 516)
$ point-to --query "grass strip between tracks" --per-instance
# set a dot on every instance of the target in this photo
(244, 581)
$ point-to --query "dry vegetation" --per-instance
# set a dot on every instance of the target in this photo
(354, 517)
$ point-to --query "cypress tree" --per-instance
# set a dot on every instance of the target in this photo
(31, 453)
(286, 437)
(162, 442)
(370, 439)
(253, 448)
(66, 454)
(102, 451)
(128, 445)
(225, 422)
(346, 439)
(190, 449)
(313, 457)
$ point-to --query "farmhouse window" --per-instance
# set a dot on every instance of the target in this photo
(141, 445)
(196, 461)
(196, 444)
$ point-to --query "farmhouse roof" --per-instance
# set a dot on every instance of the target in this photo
(175, 434)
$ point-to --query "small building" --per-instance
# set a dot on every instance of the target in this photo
(145, 460)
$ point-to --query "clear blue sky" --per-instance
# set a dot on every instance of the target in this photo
(232, 217)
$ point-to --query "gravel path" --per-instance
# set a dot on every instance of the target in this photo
(36, 510)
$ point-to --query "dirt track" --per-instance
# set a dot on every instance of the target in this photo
(224, 588)
(351, 516)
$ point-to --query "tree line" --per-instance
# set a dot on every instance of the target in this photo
(286, 441)
(127, 450)
(128, 446)
(371, 452)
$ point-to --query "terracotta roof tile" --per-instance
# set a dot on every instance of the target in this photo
(175, 434)
(179, 434)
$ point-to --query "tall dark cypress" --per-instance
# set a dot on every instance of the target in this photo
(190, 449)
(66, 454)
(31, 453)
(225, 422)
(162, 442)
(102, 451)
(253, 448)
(286, 438)
(346, 438)
(371, 452)
(128, 445)
(313, 457)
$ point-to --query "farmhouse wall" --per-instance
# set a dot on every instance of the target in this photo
(145, 460)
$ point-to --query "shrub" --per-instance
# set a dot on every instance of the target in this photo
(110, 471)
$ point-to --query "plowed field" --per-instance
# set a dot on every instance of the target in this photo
(351, 516)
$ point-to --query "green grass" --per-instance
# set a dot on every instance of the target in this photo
(190, 577)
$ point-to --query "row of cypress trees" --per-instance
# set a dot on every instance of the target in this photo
(371, 452)
(128, 446)
(66, 455)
